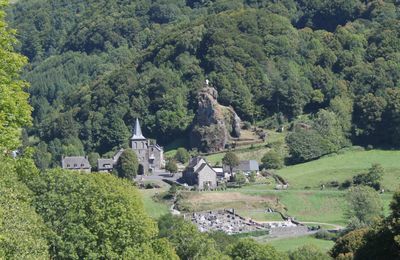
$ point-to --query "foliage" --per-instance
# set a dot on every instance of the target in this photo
(239, 178)
(308, 253)
(97, 216)
(251, 250)
(272, 160)
(364, 204)
(171, 166)
(182, 155)
(372, 178)
(15, 112)
(306, 145)
(96, 66)
(346, 246)
(127, 165)
(382, 242)
(189, 242)
(230, 159)
(23, 234)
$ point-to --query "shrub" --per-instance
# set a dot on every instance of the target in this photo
(272, 160)
(182, 155)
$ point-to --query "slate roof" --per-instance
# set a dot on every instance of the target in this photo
(105, 164)
(137, 132)
(245, 166)
(75, 162)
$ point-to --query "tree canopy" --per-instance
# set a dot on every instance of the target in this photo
(96, 66)
(15, 112)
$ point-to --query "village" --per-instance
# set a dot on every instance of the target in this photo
(197, 175)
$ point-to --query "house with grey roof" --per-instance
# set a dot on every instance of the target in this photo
(107, 164)
(77, 163)
(200, 173)
(246, 167)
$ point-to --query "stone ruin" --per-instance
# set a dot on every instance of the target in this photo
(214, 124)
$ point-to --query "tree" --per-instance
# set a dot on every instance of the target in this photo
(306, 145)
(128, 165)
(382, 240)
(364, 204)
(182, 155)
(230, 159)
(15, 111)
(171, 167)
(372, 178)
(346, 246)
(95, 216)
(252, 250)
(23, 235)
(308, 252)
(93, 157)
(42, 156)
(272, 160)
(189, 242)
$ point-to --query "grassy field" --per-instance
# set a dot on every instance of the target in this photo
(287, 244)
(327, 206)
(153, 208)
(342, 167)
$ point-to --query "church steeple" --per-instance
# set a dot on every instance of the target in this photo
(137, 132)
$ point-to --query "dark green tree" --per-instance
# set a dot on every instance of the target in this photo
(128, 165)
(272, 160)
(231, 160)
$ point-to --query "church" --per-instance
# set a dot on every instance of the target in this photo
(150, 155)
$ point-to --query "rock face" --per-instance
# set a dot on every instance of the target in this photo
(214, 125)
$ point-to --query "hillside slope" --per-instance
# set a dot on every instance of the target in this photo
(96, 65)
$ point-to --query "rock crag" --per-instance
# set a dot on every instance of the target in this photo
(214, 125)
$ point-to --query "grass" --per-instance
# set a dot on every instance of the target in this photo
(153, 208)
(326, 206)
(288, 244)
(343, 167)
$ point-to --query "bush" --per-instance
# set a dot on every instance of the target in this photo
(182, 155)
(272, 160)
(308, 252)
(325, 235)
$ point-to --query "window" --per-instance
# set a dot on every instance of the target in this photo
(82, 165)
(75, 165)
(68, 165)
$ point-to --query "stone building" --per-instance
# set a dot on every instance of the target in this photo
(150, 156)
(107, 164)
(77, 163)
(200, 173)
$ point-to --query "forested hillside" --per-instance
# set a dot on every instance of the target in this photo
(97, 65)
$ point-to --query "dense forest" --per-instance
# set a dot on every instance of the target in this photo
(97, 65)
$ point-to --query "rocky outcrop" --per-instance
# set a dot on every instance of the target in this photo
(214, 125)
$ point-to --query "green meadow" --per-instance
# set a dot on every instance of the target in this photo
(343, 167)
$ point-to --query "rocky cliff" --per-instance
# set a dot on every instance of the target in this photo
(214, 125)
